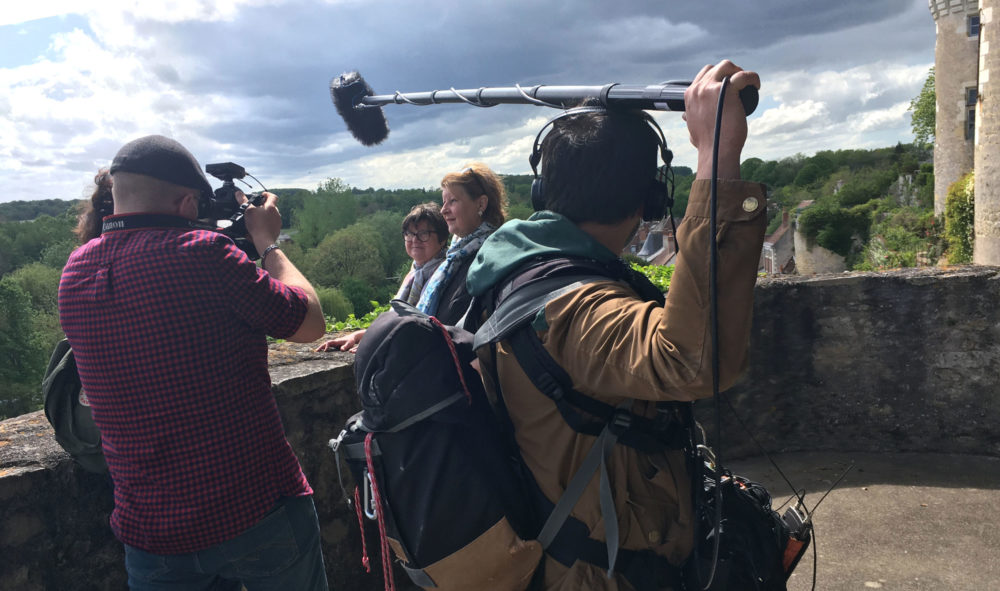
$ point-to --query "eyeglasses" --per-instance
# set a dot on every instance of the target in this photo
(420, 236)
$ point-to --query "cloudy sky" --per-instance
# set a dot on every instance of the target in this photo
(248, 80)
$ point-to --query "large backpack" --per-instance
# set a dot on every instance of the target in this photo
(69, 414)
(429, 461)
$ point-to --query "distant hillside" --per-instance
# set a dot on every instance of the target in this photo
(19, 211)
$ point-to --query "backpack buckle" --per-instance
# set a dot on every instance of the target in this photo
(621, 421)
(335, 443)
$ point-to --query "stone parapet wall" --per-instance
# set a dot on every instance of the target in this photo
(899, 361)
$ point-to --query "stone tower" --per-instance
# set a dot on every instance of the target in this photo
(956, 76)
(986, 250)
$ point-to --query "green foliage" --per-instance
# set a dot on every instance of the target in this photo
(354, 323)
(683, 179)
(335, 304)
(22, 211)
(22, 353)
(924, 181)
(41, 284)
(923, 109)
(349, 253)
(959, 219)
(25, 242)
(360, 293)
(901, 239)
(659, 275)
(387, 228)
(291, 202)
(835, 228)
(864, 186)
(774, 223)
(808, 175)
(332, 207)
(519, 211)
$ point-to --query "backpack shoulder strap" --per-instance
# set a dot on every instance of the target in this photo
(523, 304)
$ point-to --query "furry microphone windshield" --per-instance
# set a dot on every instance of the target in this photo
(366, 123)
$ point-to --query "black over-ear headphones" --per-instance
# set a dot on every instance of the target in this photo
(657, 200)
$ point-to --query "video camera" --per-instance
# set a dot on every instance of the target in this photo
(222, 205)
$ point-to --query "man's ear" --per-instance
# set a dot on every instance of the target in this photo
(187, 205)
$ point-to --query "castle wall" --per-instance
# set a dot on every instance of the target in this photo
(811, 260)
(956, 64)
(986, 250)
(860, 362)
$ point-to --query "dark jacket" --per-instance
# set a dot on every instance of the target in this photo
(455, 299)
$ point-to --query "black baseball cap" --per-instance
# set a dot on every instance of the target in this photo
(164, 159)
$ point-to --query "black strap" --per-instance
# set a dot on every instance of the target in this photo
(666, 431)
(117, 223)
(643, 569)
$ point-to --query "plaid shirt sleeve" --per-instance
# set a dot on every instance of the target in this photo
(260, 300)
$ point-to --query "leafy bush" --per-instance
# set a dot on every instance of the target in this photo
(959, 219)
(354, 323)
(360, 294)
(348, 253)
(659, 275)
(834, 228)
(335, 304)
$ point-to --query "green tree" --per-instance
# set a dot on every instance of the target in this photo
(332, 207)
(923, 111)
(22, 353)
(388, 227)
(41, 283)
(26, 242)
(809, 174)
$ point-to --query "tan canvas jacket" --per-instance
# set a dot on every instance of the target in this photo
(616, 346)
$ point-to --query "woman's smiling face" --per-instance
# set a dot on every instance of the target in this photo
(462, 213)
(422, 251)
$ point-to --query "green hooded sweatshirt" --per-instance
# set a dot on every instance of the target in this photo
(544, 234)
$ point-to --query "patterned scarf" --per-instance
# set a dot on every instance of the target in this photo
(413, 283)
(460, 249)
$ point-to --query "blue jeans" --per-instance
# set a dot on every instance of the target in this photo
(281, 552)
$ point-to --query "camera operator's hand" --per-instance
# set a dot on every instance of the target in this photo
(701, 100)
(263, 221)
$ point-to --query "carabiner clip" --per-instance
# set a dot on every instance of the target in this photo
(371, 511)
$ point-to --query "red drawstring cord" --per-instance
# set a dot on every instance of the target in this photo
(390, 581)
(454, 356)
(361, 522)
(389, 578)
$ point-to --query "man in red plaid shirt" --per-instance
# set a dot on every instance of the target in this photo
(168, 323)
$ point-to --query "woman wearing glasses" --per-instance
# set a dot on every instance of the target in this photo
(473, 205)
(425, 237)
